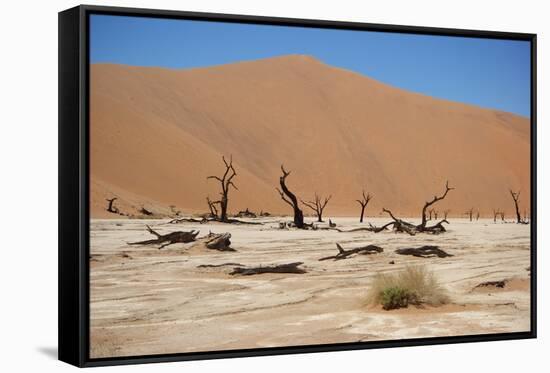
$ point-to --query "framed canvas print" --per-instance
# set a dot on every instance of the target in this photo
(238, 186)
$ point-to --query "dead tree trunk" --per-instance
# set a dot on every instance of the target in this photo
(446, 213)
(515, 197)
(225, 182)
(430, 203)
(495, 214)
(403, 226)
(477, 215)
(291, 200)
(363, 202)
(168, 239)
(212, 207)
(318, 206)
(111, 207)
(469, 213)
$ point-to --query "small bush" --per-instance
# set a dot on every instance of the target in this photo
(395, 297)
(413, 285)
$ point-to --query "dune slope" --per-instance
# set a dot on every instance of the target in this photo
(156, 134)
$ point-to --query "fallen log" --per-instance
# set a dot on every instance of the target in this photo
(187, 220)
(168, 239)
(402, 226)
(246, 214)
(344, 254)
(219, 265)
(237, 221)
(424, 252)
(370, 228)
(437, 228)
(205, 220)
(220, 242)
(280, 268)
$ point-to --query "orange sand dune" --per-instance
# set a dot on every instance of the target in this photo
(156, 134)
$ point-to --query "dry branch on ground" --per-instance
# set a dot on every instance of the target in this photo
(363, 250)
(427, 251)
(280, 268)
(168, 239)
(218, 241)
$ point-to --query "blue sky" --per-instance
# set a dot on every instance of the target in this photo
(489, 73)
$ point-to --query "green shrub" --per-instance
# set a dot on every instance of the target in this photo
(395, 297)
(413, 285)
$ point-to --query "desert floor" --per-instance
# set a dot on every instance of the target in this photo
(149, 301)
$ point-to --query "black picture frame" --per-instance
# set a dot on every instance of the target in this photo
(74, 184)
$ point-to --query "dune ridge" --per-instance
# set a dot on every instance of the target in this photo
(156, 134)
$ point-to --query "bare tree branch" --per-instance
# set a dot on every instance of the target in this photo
(364, 202)
(226, 181)
(318, 206)
(434, 200)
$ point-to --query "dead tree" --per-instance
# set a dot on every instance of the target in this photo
(477, 215)
(446, 213)
(175, 211)
(291, 199)
(496, 213)
(435, 214)
(470, 213)
(168, 239)
(430, 203)
(225, 183)
(400, 225)
(344, 254)
(318, 206)
(363, 202)
(430, 212)
(111, 207)
(515, 197)
(212, 207)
